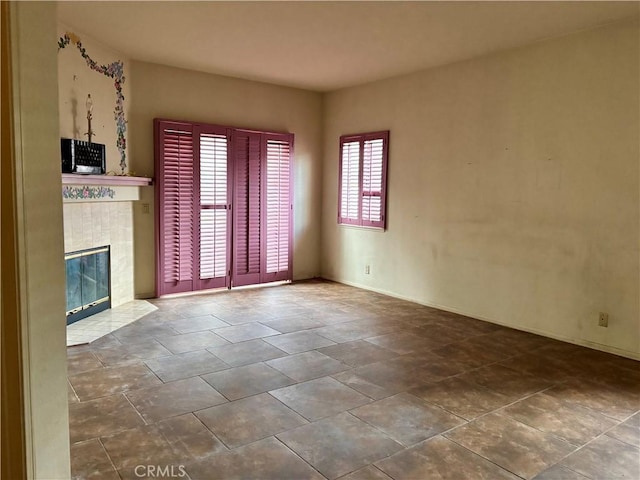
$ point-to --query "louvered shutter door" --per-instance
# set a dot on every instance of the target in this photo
(213, 200)
(247, 208)
(174, 198)
(277, 217)
(224, 206)
(374, 160)
(349, 183)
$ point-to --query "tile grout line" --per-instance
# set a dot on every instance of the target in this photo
(297, 455)
(108, 456)
(603, 434)
(136, 410)
(194, 413)
(486, 459)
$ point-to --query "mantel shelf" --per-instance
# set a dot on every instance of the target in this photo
(110, 180)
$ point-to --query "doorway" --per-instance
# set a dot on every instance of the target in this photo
(224, 206)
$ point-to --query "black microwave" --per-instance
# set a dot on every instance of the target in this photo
(79, 156)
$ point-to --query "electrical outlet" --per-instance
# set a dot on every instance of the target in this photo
(603, 319)
(367, 269)
(145, 208)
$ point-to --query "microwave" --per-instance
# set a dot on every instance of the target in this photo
(79, 156)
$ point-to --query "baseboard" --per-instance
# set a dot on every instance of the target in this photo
(583, 343)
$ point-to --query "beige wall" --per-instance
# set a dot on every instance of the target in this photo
(160, 91)
(40, 237)
(76, 80)
(513, 188)
(513, 191)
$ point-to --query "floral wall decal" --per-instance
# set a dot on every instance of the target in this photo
(87, 193)
(115, 71)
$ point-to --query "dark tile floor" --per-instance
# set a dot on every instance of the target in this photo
(320, 380)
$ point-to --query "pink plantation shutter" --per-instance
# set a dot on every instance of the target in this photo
(277, 218)
(350, 182)
(363, 179)
(174, 197)
(224, 211)
(373, 180)
(213, 200)
(248, 208)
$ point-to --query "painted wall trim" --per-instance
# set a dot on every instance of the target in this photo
(86, 193)
(15, 449)
(41, 306)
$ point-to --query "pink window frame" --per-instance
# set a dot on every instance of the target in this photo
(361, 138)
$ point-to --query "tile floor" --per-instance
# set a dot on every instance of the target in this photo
(319, 380)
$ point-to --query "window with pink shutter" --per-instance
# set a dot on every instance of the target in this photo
(224, 206)
(213, 203)
(363, 179)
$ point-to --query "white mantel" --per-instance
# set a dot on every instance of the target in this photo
(102, 188)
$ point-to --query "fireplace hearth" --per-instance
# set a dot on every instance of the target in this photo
(87, 282)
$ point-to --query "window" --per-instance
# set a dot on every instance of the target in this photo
(363, 179)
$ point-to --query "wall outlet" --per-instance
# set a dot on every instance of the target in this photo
(145, 208)
(603, 319)
(367, 269)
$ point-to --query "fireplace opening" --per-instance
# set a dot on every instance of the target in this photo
(88, 283)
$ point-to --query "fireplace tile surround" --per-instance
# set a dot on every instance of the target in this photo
(90, 225)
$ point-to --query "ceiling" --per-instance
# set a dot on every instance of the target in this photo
(324, 46)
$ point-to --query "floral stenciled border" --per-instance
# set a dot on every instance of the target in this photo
(85, 192)
(114, 70)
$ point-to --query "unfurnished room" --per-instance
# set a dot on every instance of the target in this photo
(320, 240)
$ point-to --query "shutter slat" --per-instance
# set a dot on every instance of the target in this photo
(213, 244)
(372, 162)
(176, 205)
(278, 206)
(248, 207)
(350, 180)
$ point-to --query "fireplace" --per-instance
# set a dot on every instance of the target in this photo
(88, 283)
